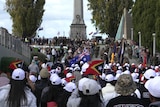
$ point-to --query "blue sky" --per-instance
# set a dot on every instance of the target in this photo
(58, 17)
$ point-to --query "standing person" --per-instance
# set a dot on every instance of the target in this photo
(39, 86)
(92, 95)
(35, 58)
(77, 74)
(33, 68)
(75, 98)
(154, 91)
(148, 55)
(108, 91)
(97, 48)
(4, 88)
(150, 73)
(102, 53)
(68, 89)
(130, 51)
(125, 87)
(61, 51)
(54, 54)
(105, 56)
(52, 93)
(18, 94)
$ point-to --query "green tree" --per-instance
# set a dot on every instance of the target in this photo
(106, 14)
(146, 19)
(26, 16)
(157, 25)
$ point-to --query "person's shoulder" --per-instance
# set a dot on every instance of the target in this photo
(29, 93)
(121, 100)
(155, 104)
(125, 98)
(116, 98)
(4, 90)
(8, 86)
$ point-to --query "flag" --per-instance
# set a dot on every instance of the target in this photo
(114, 48)
(112, 58)
(121, 52)
(90, 33)
(95, 67)
(58, 33)
(41, 28)
(73, 60)
(84, 52)
(70, 79)
(84, 56)
(16, 64)
(95, 33)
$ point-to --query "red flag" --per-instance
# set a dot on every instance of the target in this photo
(95, 67)
(16, 64)
(70, 79)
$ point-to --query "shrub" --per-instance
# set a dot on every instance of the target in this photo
(5, 62)
(40, 55)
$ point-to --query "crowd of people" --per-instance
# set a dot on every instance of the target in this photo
(63, 83)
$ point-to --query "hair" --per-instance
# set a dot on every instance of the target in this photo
(17, 94)
(112, 82)
(54, 92)
(153, 99)
(91, 101)
(80, 93)
(64, 98)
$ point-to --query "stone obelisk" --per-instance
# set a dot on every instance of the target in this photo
(78, 27)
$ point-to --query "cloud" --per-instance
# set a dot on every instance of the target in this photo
(57, 17)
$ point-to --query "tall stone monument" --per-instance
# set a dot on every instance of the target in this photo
(78, 27)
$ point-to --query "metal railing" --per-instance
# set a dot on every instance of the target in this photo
(14, 43)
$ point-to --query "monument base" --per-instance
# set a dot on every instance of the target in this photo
(78, 31)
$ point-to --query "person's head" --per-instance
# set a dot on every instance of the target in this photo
(110, 79)
(80, 84)
(55, 79)
(70, 87)
(107, 69)
(150, 73)
(44, 74)
(55, 87)
(152, 85)
(91, 87)
(35, 58)
(125, 85)
(91, 90)
(18, 83)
